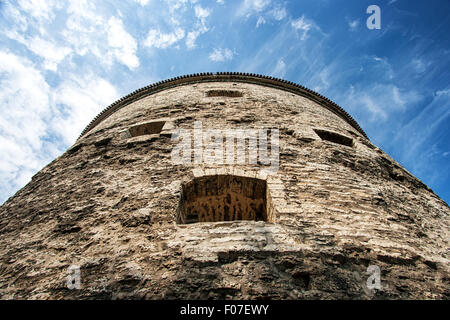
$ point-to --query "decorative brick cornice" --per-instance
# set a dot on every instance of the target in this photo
(222, 76)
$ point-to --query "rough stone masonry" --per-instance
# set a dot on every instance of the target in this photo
(139, 226)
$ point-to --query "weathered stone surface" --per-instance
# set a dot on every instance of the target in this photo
(110, 205)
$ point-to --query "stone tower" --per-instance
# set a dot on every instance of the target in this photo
(331, 216)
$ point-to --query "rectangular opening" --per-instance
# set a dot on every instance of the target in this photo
(223, 198)
(334, 137)
(224, 93)
(153, 127)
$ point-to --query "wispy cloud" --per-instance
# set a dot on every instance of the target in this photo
(51, 52)
(280, 69)
(437, 111)
(419, 65)
(353, 25)
(260, 21)
(249, 7)
(417, 141)
(200, 26)
(220, 55)
(303, 25)
(379, 100)
(157, 39)
(278, 13)
(265, 10)
(123, 45)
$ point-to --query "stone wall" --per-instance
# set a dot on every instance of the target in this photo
(111, 204)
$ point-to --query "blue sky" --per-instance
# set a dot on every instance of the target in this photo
(62, 62)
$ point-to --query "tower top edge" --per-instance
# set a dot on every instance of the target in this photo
(225, 77)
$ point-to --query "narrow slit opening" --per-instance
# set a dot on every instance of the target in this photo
(334, 137)
(153, 127)
(224, 93)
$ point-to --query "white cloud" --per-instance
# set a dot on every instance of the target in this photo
(88, 32)
(24, 99)
(84, 29)
(382, 67)
(48, 50)
(84, 32)
(260, 21)
(52, 53)
(39, 9)
(419, 65)
(266, 10)
(191, 37)
(443, 92)
(177, 4)
(38, 122)
(381, 100)
(186, 22)
(157, 39)
(322, 79)
(399, 99)
(79, 100)
(249, 7)
(220, 55)
(417, 138)
(122, 43)
(17, 20)
(142, 2)
(200, 26)
(201, 13)
(303, 25)
(27, 24)
(24, 96)
(278, 13)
